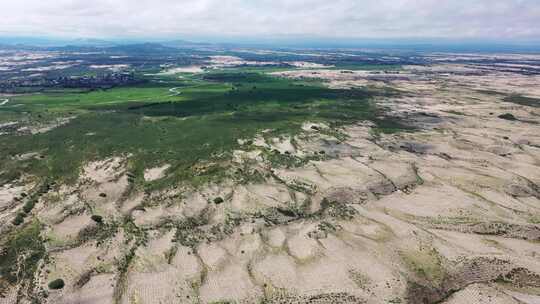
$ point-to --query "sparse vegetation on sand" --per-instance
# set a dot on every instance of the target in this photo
(19, 260)
(272, 177)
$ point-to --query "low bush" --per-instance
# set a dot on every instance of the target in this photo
(97, 218)
(56, 284)
(29, 205)
(507, 116)
(19, 219)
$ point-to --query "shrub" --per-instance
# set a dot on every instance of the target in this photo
(218, 200)
(102, 194)
(97, 218)
(287, 212)
(19, 219)
(131, 177)
(27, 208)
(507, 116)
(56, 284)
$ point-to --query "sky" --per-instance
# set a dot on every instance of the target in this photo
(503, 20)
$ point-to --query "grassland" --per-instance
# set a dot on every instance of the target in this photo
(200, 123)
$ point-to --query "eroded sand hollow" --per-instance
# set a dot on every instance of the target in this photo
(448, 213)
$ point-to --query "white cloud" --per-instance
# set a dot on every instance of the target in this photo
(495, 19)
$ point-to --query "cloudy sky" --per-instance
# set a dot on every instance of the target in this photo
(486, 19)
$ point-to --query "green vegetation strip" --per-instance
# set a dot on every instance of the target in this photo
(200, 125)
(522, 100)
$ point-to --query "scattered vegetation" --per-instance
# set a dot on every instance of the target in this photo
(21, 255)
(337, 210)
(101, 232)
(31, 201)
(361, 280)
(323, 229)
(427, 264)
(189, 232)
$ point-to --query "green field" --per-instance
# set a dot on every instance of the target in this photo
(201, 124)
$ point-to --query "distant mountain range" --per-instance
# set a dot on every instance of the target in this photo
(155, 45)
(89, 42)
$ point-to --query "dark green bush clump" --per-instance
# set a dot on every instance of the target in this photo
(218, 200)
(507, 116)
(56, 284)
(27, 208)
(103, 195)
(97, 218)
(19, 219)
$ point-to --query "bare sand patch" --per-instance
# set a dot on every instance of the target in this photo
(232, 282)
(187, 69)
(10, 191)
(111, 67)
(70, 227)
(104, 170)
(153, 174)
(480, 293)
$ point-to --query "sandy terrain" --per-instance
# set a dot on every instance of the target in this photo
(153, 174)
(48, 68)
(230, 61)
(111, 67)
(189, 69)
(307, 65)
(446, 213)
(23, 127)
